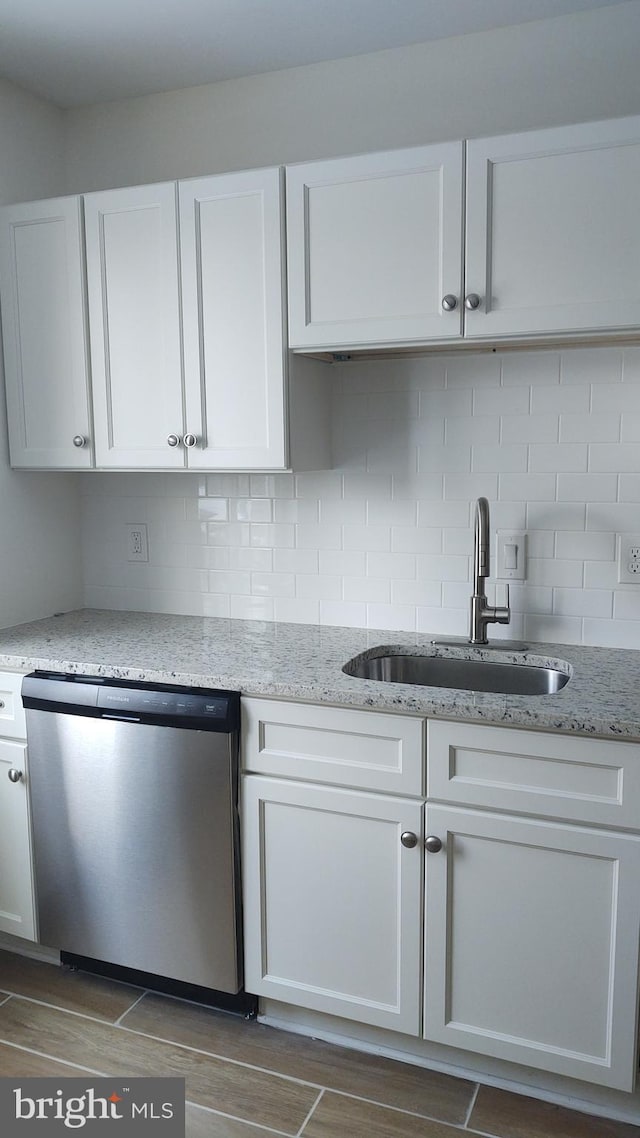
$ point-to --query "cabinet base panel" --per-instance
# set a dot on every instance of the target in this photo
(465, 1065)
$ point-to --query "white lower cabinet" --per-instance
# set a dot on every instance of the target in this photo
(17, 903)
(509, 927)
(531, 946)
(332, 901)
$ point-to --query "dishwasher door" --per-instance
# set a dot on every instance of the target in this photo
(136, 845)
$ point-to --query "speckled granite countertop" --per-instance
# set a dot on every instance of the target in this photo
(305, 662)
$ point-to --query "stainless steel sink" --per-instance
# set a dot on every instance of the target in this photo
(452, 672)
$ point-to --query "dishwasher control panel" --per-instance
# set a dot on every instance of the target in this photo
(99, 697)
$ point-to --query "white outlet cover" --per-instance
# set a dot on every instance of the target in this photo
(629, 558)
(504, 539)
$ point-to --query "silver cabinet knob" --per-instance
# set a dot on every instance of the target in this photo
(14, 775)
(79, 441)
(190, 440)
(471, 301)
(449, 302)
(173, 440)
(433, 844)
(409, 839)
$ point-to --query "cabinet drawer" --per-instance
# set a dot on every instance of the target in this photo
(12, 721)
(557, 776)
(333, 745)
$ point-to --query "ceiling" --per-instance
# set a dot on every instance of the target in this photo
(75, 52)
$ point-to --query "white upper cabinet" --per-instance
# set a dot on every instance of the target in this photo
(552, 241)
(553, 230)
(233, 318)
(44, 333)
(134, 317)
(374, 245)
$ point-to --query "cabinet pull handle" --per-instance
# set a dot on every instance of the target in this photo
(409, 839)
(190, 440)
(79, 441)
(173, 440)
(14, 775)
(471, 301)
(1, 703)
(449, 302)
(433, 844)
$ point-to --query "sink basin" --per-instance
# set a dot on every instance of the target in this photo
(453, 672)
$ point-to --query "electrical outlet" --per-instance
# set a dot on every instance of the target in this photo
(629, 558)
(137, 543)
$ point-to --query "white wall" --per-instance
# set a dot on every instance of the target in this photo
(384, 538)
(39, 513)
(539, 74)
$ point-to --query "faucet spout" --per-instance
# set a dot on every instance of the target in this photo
(482, 613)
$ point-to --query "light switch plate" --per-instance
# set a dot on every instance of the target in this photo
(511, 555)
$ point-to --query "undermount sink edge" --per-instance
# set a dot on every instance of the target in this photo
(463, 668)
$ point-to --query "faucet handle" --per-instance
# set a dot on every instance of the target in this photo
(502, 614)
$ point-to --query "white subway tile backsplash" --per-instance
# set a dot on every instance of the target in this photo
(588, 487)
(474, 371)
(586, 546)
(583, 602)
(272, 585)
(369, 589)
(297, 509)
(631, 365)
(530, 368)
(316, 588)
(397, 512)
(574, 400)
(385, 538)
(364, 486)
(603, 428)
(293, 610)
(296, 561)
(503, 458)
(251, 608)
(391, 565)
(559, 457)
(367, 538)
(250, 509)
(409, 539)
(345, 563)
(529, 428)
(553, 571)
(595, 365)
(395, 617)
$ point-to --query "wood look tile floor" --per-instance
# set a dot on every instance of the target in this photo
(245, 1080)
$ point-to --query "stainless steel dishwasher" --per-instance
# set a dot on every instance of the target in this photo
(134, 808)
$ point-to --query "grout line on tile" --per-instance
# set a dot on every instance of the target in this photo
(53, 1058)
(235, 1118)
(118, 1022)
(59, 1008)
(312, 1111)
(472, 1104)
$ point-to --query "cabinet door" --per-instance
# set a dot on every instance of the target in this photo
(532, 943)
(44, 333)
(375, 243)
(332, 901)
(17, 914)
(134, 318)
(233, 305)
(553, 232)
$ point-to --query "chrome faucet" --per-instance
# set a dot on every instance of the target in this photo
(482, 613)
